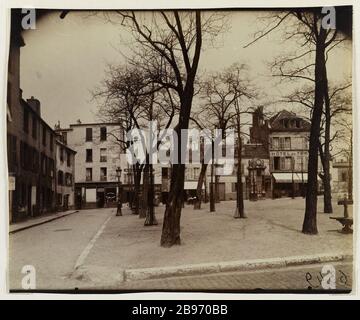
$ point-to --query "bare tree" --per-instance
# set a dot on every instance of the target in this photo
(315, 41)
(168, 45)
(128, 97)
(223, 93)
(336, 103)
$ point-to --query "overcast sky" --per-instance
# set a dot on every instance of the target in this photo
(63, 60)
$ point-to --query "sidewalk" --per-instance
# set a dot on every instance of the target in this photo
(33, 222)
(272, 231)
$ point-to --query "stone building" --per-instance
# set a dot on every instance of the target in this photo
(288, 151)
(65, 171)
(30, 145)
(31, 160)
(341, 170)
(96, 162)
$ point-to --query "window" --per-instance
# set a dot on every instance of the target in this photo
(59, 199)
(103, 133)
(34, 127)
(26, 157)
(50, 167)
(282, 143)
(287, 143)
(60, 178)
(89, 155)
(22, 155)
(61, 154)
(26, 120)
(103, 174)
(275, 143)
(343, 176)
(288, 163)
(36, 161)
(43, 164)
(68, 158)
(196, 173)
(44, 136)
(103, 157)
(68, 179)
(88, 174)
(89, 134)
(276, 163)
(12, 155)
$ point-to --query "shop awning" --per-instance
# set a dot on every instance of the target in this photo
(191, 185)
(286, 177)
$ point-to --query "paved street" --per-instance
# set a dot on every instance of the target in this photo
(53, 248)
(291, 278)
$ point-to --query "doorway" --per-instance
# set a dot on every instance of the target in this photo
(100, 198)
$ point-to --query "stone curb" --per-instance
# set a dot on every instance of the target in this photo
(51, 218)
(242, 265)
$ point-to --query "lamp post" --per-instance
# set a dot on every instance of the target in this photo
(119, 203)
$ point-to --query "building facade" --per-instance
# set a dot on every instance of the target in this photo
(341, 182)
(288, 151)
(65, 171)
(96, 162)
(31, 160)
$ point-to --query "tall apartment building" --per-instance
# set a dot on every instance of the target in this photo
(96, 162)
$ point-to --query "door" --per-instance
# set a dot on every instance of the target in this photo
(29, 211)
(222, 191)
(100, 196)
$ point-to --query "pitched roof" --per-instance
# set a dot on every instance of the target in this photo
(284, 121)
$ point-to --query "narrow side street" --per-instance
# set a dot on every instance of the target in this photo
(53, 248)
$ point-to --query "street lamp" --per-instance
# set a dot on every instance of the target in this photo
(119, 203)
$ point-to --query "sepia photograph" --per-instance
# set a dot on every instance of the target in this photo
(180, 150)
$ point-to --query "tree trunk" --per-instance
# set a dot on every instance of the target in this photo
(150, 219)
(310, 224)
(137, 179)
(326, 163)
(212, 197)
(240, 212)
(171, 226)
(217, 188)
(145, 191)
(197, 204)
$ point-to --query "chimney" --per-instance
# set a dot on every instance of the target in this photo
(34, 104)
